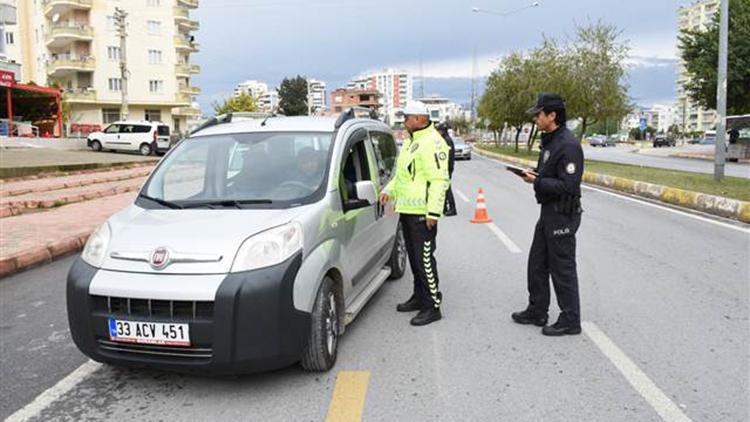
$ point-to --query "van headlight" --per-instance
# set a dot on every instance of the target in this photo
(268, 248)
(96, 247)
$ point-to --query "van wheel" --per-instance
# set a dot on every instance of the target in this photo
(96, 146)
(397, 262)
(145, 149)
(320, 353)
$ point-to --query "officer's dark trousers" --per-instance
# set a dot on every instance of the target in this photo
(420, 247)
(553, 253)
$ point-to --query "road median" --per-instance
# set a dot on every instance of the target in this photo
(710, 204)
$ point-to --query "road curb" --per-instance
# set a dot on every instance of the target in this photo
(77, 183)
(39, 255)
(710, 204)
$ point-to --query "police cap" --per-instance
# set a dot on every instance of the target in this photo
(547, 101)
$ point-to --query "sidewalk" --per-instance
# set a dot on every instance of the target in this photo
(29, 195)
(33, 239)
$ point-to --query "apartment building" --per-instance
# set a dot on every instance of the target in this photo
(74, 44)
(691, 117)
(394, 86)
(266, 99)
(442, 109)
(316, 96)
(343, 98)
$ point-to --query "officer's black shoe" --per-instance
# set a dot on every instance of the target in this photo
(427, 316)
(410, 305)
(561, 328)
(527, 317)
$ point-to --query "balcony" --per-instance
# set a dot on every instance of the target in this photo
(80, 95)
(182, 19)
(190, 90)
(184, 99)
(63, 65)
(190, 4)
(61, 7)
(184, 70)
(60, 36)
(182, 44)
(186, 112)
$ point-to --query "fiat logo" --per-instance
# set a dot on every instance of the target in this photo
(159, 258)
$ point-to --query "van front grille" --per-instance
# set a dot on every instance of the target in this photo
(163, 309)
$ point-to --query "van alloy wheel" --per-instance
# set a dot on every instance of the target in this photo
(397, 261)
(331, 322)
(145, 149)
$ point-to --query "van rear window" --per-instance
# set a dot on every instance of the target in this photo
(163, 130)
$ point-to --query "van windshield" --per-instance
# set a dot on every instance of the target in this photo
(242, 171)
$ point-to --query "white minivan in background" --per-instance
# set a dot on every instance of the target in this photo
(142, 136)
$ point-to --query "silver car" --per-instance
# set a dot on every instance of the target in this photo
(461, 149)
(250, 247)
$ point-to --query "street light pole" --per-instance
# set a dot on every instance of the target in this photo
(721, 92)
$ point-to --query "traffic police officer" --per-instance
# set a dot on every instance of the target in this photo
(450, 202)
(557, 187)
(418, 190)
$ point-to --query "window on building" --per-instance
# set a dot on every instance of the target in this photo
(155, 87)
(113, 53)
(154, 27)
(153, 115)
(115, 84)
(153, 3)
(110, 115)
(9, 38)
(111, 23)
(154, 57)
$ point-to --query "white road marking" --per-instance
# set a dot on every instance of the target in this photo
(512, 247)
(462, 196)
(665, 407)
(668, 209)
(661, 207)
(47, 397)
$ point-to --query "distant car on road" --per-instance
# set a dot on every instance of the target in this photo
(602, 141)
(461, 149)
(663, 141)
(709, 138)
(142, 136)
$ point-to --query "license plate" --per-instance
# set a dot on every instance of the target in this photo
(143, 332)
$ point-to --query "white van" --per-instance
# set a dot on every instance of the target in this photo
(142, 136)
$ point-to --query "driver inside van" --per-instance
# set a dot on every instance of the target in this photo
(309, 168)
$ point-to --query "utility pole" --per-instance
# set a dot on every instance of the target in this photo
(474, 89)
(421, 77)
(122, 32)
(721, 92)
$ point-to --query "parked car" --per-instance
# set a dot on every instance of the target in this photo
(142, 136)
(663, 141)
(709, 138)
(602, 141)
(461, 149)
(250, 247)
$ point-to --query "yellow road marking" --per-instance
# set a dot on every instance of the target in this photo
(348, 399)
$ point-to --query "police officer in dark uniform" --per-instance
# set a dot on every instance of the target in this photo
(450, 201)
(557, 187)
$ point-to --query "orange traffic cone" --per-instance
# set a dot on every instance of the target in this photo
(480, 215)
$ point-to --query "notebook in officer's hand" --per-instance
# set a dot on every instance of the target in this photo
(518, 171)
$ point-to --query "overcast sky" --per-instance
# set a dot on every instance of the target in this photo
(333, 40)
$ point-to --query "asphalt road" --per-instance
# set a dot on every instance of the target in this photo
(625, 154)
(668, 293)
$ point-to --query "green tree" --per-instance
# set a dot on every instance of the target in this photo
(242, 102)
(293, 96)
(700, 52)
(595, 91)
(461, 125)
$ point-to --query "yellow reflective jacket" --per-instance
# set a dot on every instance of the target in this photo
(421, 178)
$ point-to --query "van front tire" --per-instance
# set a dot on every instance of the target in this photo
(96, 146)
(397, 261)
(322, 344)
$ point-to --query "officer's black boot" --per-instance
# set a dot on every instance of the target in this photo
(527, 317)
(410, 305)
(427, 316)
(561, 328)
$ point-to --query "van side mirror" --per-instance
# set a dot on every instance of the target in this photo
(366, 192)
